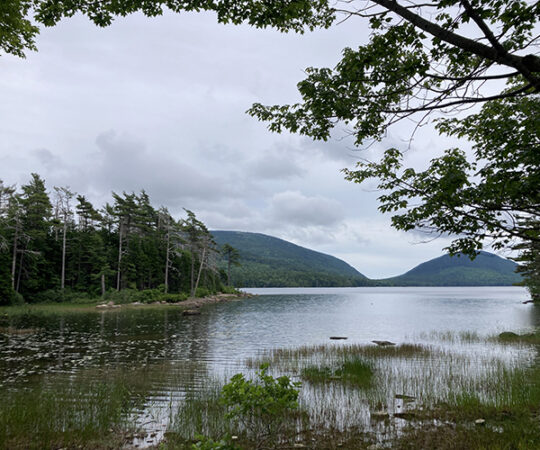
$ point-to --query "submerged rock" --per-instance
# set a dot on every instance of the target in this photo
(191, 312)
(407, 415)
(408, 398)
(379, 415)
(336, 338)
(383, 343)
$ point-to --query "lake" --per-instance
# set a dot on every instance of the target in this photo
(181, 352)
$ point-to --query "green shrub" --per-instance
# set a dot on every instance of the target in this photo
(263, 406)
(202, 292)
(209, 444)
(173, 298)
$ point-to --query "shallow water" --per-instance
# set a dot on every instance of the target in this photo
(179, 352)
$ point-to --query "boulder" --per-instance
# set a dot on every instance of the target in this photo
(383, 343)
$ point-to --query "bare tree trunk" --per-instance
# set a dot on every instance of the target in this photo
(103, 285)
(229, 271)
(20, 271)
(192, 283)
(14, 259)
(119, 256)
(200, 270)
(63, 279)
(167, 261)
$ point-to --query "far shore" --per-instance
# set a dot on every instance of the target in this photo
(100, 305)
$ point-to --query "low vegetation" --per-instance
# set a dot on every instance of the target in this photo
(354, 371)
(78, 412)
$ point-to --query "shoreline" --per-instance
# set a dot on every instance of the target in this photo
(99, 305)
(188, 304)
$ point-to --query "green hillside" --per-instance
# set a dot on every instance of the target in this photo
(271, 262)
(486, 269)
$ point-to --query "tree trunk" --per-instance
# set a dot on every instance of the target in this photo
(200, 270)
(229, 271)
(63, 279)
(118, 273)
(20, 272)
(167, 262)
(103, 285)
(192, 281)
(14, 259)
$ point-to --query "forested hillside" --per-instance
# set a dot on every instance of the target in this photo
(54, 243)
(267, 261)
(486, 269)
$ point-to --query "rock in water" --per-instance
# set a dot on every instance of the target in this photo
(383, 343)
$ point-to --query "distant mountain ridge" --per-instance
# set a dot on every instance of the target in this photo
(272, 262)
(486, 269)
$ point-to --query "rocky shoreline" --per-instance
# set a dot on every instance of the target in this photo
(191, 306)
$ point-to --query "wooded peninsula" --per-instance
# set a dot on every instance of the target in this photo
(61, 247)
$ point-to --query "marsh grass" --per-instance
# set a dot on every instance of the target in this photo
(453, 337)
(200, 412)
(290, 357)
(69, 412)
(88, 306)
(354, 371)
(510, 415)
(407, 396)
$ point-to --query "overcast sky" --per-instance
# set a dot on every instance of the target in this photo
(159, 104)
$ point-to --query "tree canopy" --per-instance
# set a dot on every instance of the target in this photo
(49, 249)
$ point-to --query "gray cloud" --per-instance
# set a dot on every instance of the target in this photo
(292, 207)
(272, 166)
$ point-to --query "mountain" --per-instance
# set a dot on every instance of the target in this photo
(267, 261)
(486, 269)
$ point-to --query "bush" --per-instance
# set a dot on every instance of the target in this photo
(263, 406)
(173, 298)
(202, 292)
(209, 444)
(11, 298)
(229, 290)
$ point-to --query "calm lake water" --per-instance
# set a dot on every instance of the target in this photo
(184, 350)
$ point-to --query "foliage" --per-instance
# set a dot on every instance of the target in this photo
(261, 406)
(20, 18)
(530, 262)
(205, 443)
(489, 197)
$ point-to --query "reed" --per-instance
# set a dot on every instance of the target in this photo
(71, 412)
